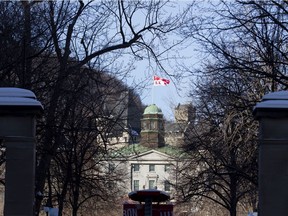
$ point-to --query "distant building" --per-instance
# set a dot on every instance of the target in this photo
(149, 168)
(154, 132)
(176, 133)
(185, 113)
(126, 109)
(154, 161)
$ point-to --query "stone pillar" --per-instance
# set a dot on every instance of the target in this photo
(18, 110)
(272, 113)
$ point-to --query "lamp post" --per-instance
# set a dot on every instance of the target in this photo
(18, 110)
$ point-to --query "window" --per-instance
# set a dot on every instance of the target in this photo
(152, 125)
(111, 167)
(151, 167)
(111, 184)
(136, 167)
(166, 167)
(161, 126)
(166, 186)
(145, 125)
(151, 184)
(136, 185)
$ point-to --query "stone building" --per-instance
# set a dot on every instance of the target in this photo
(176, 132)
(153, 162)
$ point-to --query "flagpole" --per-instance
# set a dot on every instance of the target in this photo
(153, 91)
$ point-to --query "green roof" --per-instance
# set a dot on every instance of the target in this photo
(135, 149)
(171, 150)
(152, 109)
(132, 149)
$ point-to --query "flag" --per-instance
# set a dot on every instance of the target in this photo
(134, 133)
(158, 81)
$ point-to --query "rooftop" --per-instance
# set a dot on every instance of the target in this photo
(152, 109)
(135, 149)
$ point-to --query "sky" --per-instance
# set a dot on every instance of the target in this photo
(177, 91)
(165, 97)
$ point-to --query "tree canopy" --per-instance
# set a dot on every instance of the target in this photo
(66, 52)
(242, 44)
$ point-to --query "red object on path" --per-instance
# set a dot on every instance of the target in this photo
(154, 195)
(138, 210)
(148, 209)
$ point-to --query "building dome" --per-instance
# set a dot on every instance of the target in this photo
(152, 109)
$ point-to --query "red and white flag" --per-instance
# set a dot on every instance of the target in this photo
(158, 81)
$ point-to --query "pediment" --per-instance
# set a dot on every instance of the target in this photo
(151, 155)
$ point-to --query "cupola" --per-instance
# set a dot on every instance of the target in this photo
(152, 127)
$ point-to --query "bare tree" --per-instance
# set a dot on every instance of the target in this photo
(245, 57)
(51, 50)
(96, 111)
(251, 41)
(80, 172)
(222, 166)
(76, 34)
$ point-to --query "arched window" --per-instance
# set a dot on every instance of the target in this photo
(153, 125)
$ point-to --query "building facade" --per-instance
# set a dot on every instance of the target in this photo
(152, 163)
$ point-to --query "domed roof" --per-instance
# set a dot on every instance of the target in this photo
(152, 109)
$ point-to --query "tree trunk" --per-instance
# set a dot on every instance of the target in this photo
(233, 194)
(26, 73)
